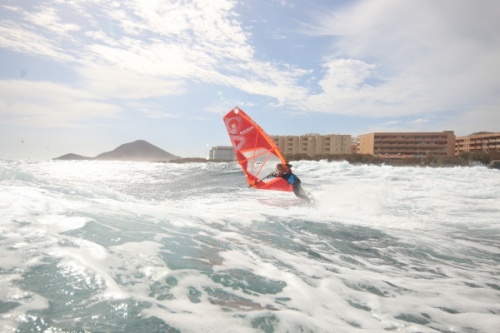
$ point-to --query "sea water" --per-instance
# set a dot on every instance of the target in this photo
(91, 246)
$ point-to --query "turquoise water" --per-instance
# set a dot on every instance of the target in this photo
(150, 247)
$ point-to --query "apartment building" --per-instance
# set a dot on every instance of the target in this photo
(354, 146)
(224, 153)
(408, 143)
(313, 144)
(480, 141)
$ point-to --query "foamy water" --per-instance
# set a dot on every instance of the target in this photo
(152, 247)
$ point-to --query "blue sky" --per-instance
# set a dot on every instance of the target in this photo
(85, 76)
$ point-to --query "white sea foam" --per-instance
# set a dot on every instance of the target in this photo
(190, 245)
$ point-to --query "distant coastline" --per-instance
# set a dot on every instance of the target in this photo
(143, 151)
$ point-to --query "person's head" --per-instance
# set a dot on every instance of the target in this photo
(279, 166)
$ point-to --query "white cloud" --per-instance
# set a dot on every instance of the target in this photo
(430, 56)
(196, 40)
(388, 57)
(16, 38)
(47, 104)
(48, 19)
(345, 75)
(108, 82)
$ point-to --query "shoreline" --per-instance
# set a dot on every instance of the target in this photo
(354, 159)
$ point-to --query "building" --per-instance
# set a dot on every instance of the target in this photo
(225, 153)
(313, 144)
(480, 141)
(354, 146)
(407, 143)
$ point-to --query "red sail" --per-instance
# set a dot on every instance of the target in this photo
(255, 151)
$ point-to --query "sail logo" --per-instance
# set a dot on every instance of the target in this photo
(245, 131)
(232, 125)
(238, 141)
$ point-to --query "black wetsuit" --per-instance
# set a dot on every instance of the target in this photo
(291, 178)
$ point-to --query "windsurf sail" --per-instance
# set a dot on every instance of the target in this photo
(255, 151)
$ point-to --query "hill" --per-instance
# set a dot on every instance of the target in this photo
(139, 150)
(73, 157)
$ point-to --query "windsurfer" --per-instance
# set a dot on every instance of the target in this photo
(285, 172)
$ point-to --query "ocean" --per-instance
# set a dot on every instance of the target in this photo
(92, 246)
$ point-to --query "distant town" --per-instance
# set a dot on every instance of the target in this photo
(404, 148)
(387, 146)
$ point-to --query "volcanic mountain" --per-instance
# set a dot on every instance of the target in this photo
(73, 157)
(139, 150)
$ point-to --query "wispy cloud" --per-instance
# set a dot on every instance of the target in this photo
(158, 43)
(414, 58)
(48, 19)
(385, 58)
(114, 82)
(47, 104)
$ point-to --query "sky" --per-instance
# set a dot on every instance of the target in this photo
(85, 76)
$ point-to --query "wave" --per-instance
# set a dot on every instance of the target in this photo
(113, 246)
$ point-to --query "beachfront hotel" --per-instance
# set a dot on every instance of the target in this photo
(313, 144)
(479, 141)
(382, 144)
(416, 144)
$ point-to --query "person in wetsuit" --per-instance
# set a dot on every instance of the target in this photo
(285, 172)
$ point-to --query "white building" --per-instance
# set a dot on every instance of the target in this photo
(225, 153)
(314, 144)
